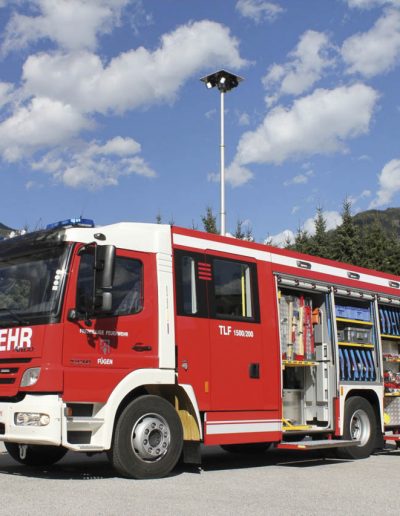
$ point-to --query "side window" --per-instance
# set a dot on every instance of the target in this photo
(84, 288)
(127, 286)
(235, 293)
(191, 288)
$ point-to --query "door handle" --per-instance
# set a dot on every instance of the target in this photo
(139, 346)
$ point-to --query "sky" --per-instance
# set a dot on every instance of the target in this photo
(103, 114)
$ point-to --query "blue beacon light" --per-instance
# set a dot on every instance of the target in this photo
(78, 223)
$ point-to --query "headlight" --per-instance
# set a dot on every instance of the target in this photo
(31, 419)
(30, 377)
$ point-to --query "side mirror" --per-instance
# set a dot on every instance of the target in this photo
(104, 265)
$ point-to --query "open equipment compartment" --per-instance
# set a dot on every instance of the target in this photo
(389, 319)
(356, 336)
(308, 371)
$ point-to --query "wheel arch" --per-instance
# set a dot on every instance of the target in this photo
(373, 399)
(181, 397)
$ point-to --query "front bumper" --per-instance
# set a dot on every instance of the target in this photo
(49, 404)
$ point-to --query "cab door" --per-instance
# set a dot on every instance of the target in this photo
(192, 275)
(238, 376)
(98, 351)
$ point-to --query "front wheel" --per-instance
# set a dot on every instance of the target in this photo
(148, 439)
(359, 425)
(35, 454)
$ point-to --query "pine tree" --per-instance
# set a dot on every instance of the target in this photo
(319, 242)
(376, 247)
(301, 241)
(209, 221)
(347, 242)
(239, 233)
(394, 256)
(249, 234)
(244, 234)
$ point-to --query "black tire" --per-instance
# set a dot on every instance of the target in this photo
(250, 448)
(35, 454)
(359, 424)
(148, 439)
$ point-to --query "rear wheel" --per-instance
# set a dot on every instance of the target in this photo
(359, 425)
(35, 454)
(148, 439)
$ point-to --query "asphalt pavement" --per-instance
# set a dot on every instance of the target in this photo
(276, 482)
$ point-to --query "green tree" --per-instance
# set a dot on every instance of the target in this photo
(209, 221)
(249, 234)
(244, 233)
(301, 241)
(347, 242)
(394, 256)
(239, 233)
(376, 247)
(319, 242)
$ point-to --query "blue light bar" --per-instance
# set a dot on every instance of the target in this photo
(68, 223)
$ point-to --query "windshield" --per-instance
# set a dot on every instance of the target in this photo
(31, 281)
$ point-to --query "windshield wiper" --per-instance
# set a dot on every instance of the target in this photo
(16, 317)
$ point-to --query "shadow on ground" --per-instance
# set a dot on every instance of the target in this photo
(75, 466)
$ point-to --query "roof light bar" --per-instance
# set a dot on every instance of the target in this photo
(67, 223)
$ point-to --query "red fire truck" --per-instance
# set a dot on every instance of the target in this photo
(146, 340)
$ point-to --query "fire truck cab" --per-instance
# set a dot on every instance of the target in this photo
(146, 340)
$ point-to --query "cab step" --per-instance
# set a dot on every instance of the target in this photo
(316, 445)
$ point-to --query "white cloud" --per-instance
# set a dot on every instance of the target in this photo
(353, 199)
(306, 65)
(376, 51)
(259, 10)
(134, 78)
(332, 219)
(118, 146)
(389, 184)
(369, 4)
(299, 179)
(54, 106)
(94, 166)
(281, 239)
(43, 123)
(6, 90)
(211, 113)
(71, 24)
(317, 124)
(237, 175)
(243, 119)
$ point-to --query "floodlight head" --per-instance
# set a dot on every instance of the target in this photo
(223, 80)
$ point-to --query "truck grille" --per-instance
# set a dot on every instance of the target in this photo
(9, 369)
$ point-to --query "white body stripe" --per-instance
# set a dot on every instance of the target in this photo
(329, 269)
(288, 261)
(200, 243)
(243, 427)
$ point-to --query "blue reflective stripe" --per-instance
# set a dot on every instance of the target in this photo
(341, 360)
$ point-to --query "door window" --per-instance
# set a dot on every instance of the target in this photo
(234, 293)
(127, 286)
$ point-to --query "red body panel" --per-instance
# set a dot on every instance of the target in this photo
(97, 356)
(32, 346)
